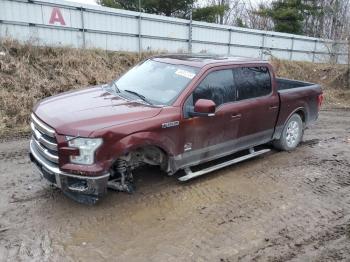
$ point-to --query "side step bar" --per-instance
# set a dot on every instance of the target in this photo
(189, 174)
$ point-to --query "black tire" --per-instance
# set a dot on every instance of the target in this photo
(291, 135)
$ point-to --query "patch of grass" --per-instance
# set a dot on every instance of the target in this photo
(30, 73)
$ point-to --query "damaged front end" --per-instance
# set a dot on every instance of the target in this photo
(121, 172)
(44, 155)
(86, 190)
(86, 187)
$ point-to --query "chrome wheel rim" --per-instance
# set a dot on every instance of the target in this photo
(292, 133)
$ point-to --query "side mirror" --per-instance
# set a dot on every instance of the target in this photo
(204, 108)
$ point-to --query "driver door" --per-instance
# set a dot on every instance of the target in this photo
(206, 138)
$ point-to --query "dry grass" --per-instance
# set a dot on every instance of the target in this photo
(29, 73)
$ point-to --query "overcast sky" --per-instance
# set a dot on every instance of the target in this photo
(89, 2)
(93, 2)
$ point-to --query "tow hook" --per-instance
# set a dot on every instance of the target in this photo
(79, 187)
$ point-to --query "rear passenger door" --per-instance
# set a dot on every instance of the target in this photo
(257, 104)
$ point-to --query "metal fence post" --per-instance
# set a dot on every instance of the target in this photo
(82, 25)
(139, 36)
(314, 52)
(139, 29)
(349, 61)
(229, 42)
(262, 46)
(190, 34)
(331, 50)
(335, 51)
(291, 50)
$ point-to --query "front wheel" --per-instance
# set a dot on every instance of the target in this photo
(291, 135)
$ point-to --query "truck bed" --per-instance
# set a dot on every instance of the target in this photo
(284, 83)
(295, 95)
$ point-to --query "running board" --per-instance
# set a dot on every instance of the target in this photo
(189, 174)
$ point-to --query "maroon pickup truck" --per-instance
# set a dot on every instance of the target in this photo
(175, 111)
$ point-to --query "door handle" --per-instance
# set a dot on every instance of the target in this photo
(236, 116)
(273, 107)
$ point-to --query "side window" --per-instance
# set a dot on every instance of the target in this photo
(217, 86)
(252, 82)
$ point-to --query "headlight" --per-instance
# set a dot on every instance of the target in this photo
(87, 148)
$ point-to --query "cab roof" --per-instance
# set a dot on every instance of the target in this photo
(203, 60)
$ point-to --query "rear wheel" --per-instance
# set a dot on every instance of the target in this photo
(291, 135)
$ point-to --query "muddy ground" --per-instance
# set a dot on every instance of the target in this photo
(278, 207)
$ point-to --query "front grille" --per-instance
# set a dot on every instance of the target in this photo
(44, 139)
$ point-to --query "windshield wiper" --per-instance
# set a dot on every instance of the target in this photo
(139, 95)
(116, 89)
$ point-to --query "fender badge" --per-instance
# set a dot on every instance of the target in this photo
(188, 147)
(170, 124)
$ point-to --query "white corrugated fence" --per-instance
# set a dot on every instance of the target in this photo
(61, 23)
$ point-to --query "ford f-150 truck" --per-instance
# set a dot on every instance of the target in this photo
(175, 111)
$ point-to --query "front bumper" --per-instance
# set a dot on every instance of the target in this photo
(83, 189)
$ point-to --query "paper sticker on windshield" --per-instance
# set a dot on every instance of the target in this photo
(184, 73)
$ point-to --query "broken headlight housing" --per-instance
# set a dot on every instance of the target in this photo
(87, 148)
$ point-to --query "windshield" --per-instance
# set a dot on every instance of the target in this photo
(157, 82)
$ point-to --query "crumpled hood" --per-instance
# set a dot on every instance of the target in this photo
(84, 111)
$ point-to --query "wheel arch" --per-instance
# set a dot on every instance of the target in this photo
(301, 111)
(289, 141)
(140, 141)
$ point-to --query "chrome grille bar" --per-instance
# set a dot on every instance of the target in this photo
(45, 153)
(40, 138)
(43, 127)
(44, 140)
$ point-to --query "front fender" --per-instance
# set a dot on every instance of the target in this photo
(137, 140)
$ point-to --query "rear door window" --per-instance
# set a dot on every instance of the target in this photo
(217, 86)
(252, 82)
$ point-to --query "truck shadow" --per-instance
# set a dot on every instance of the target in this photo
(151, 180)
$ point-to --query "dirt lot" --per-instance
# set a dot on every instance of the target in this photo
(282, 206)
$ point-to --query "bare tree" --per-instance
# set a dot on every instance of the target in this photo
(236, 11)
(253, 19)
(327, 19)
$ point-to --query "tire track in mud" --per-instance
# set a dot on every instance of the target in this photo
(200, 194)
(341, 178)
(290, 240)
(305, 248)
(21, 155)
(205, 244)
(34, 247)
(335, 176)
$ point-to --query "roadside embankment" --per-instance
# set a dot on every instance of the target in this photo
(29, 73)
